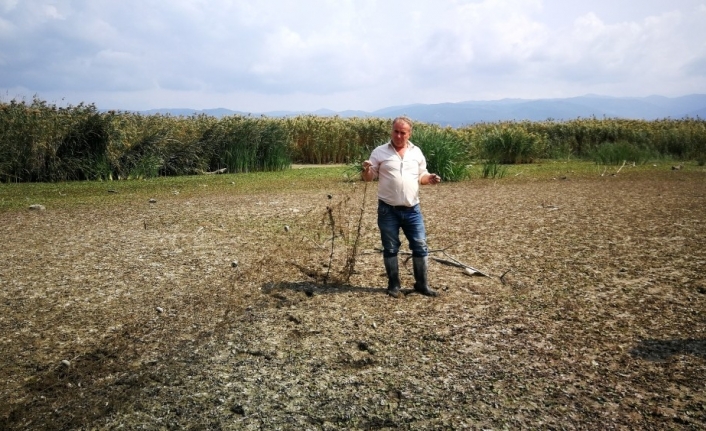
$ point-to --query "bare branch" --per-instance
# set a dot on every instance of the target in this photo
(502, 277)
(621, 168)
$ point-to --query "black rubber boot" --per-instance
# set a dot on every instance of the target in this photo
(421, 284)
(393, 276)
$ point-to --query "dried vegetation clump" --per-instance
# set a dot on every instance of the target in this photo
(138, 316)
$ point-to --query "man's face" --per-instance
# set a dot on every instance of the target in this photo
(400, 134)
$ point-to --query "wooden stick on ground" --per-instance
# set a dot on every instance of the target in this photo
(621, 168)
(451, 261)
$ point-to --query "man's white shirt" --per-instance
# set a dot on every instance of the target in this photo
(399, 178)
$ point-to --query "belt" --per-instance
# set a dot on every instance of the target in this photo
(397, 207)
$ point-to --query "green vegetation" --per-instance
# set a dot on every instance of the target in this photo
(243, 144)
(15, 196)
(325, 140)
(447, 155)
(615, 153)
(509, 144)
(40, 142)
(493, 169)
(64, 195)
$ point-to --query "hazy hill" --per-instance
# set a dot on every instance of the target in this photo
(462, 113)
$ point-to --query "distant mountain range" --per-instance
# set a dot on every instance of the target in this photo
(471, 112)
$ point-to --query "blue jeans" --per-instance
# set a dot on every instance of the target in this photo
(392, 219)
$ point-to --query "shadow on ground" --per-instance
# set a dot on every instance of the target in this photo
(311, 289)
(662, 350)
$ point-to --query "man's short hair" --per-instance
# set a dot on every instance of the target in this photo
(404, 119)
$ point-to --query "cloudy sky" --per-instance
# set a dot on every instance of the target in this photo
(266, 55)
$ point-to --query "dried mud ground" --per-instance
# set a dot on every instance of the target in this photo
(134, 315)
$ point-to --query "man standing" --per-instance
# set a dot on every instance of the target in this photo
(401, 167)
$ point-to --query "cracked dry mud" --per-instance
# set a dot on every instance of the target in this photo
(599, 321)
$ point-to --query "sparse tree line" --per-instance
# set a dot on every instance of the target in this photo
(42, 142)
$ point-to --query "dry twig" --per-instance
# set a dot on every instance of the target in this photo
(621, 168)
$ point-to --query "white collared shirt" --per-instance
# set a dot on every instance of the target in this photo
(399, 178)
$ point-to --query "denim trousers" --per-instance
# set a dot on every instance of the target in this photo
(392, 219)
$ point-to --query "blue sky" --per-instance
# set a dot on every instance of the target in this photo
(260, 55)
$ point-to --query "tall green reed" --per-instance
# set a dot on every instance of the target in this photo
(446, 154)
(42, 142)
(247, 144)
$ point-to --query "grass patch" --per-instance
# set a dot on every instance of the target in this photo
(16, 196)
(493, 170)
(615, 153)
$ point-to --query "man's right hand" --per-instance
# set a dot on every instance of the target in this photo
(367, 173)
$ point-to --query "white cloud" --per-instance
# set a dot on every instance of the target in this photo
(357, 54)
(627, 57)
(8, 5)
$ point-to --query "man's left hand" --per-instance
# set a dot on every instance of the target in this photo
(434, 179)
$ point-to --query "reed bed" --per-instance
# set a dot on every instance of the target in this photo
(41, 142)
